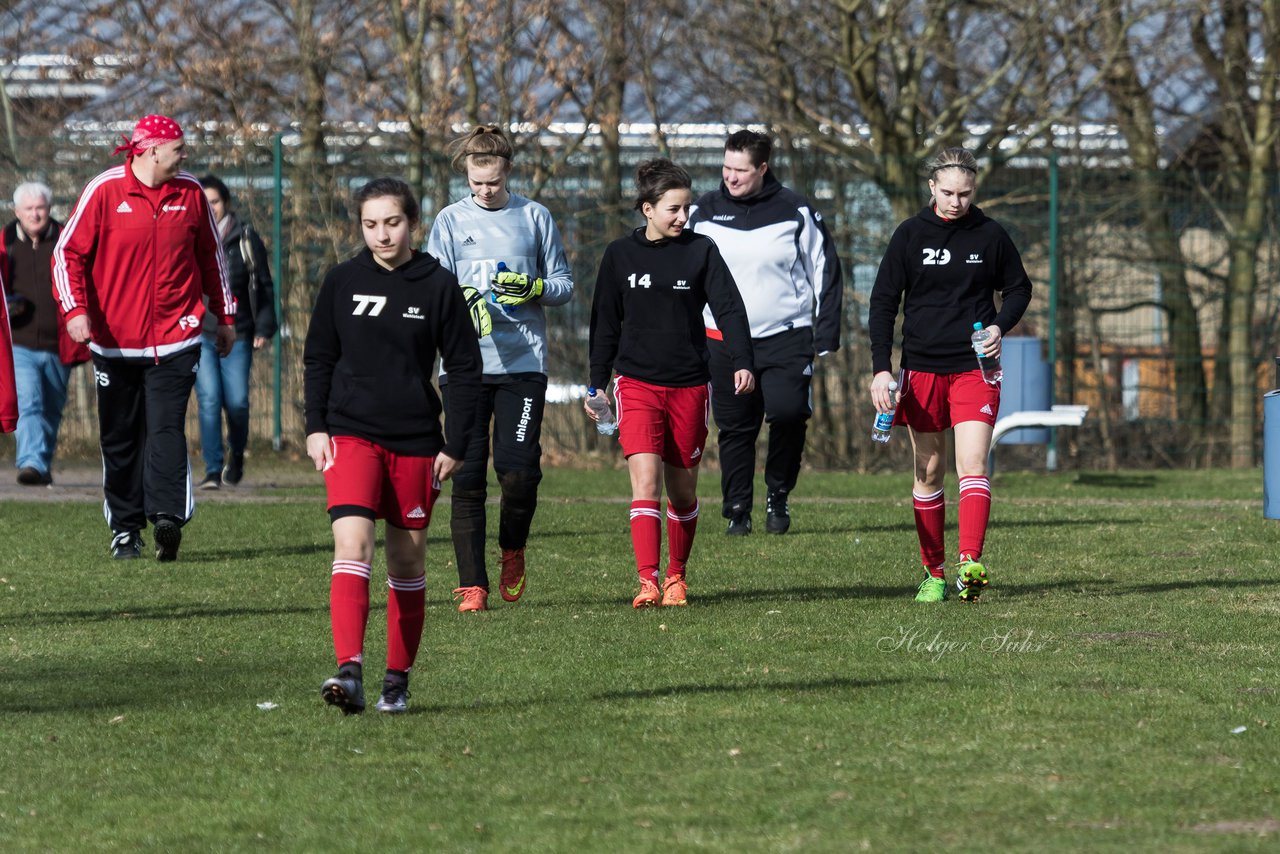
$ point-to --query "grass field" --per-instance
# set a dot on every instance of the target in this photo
(1115, 691)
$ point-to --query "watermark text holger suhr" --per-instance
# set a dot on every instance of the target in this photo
(931, 642)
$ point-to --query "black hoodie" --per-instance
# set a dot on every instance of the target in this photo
(944, 274)
(646, 316)
(371, 351)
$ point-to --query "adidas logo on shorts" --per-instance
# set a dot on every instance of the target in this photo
(986, 409)
(416, 513)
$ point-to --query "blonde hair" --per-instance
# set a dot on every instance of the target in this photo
(484, 146)
(952, 158)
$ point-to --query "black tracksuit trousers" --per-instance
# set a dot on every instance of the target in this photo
(142, 414)
(784, 368)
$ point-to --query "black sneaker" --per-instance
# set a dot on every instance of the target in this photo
(395, 695)
(126, 546)
(29, 476)
(778, 520)
(346, 691)
(234, 471)
(168, 534)
(739, 525)
(211, 481)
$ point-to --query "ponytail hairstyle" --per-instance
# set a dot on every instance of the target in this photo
(952, 158)
(656, 177)
(484, 146)
(389, 188)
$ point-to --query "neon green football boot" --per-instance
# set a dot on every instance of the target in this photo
(971, 579)
(932, 590)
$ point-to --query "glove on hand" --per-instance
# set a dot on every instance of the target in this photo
(515, 288)
(480, 318)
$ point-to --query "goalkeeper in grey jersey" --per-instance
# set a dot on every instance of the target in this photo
(472, 237)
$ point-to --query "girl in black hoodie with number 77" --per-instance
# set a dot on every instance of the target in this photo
(373, 426)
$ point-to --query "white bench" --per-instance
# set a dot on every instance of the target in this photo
(1061, 415)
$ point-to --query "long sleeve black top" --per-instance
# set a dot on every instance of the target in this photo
(944, 274)
(646, 315)
(371, 351)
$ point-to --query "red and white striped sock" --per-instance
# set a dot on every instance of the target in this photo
(406, 603)
(682, 526)
(975, 510)
(349, 609)
(931, 521)
(646, 537)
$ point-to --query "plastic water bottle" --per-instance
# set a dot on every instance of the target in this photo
(884, 420)
(607, 425)
(493, 289)
(990, 365)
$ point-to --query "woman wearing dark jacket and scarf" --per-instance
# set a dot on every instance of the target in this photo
(223, 381)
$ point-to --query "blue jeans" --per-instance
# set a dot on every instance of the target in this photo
(223, 383)
(42, 392)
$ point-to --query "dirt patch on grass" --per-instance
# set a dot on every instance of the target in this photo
(84, 483)
(1122, 636)
(1260, 827)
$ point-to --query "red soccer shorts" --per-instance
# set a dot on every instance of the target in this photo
(934, 402)
(391, 486)
(657, 419)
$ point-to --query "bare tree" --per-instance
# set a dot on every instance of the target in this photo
(1238, 46)
(1124, 40)
(603, 25)
(883, 83)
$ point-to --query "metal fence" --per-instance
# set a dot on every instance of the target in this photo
(1097, 309)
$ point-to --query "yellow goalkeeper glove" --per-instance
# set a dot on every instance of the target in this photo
(515, 288)
(480, 318)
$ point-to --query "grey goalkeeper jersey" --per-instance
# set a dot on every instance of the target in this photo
(470, 240)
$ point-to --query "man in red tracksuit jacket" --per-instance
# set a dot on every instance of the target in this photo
(129, 270)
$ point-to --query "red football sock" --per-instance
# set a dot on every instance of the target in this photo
(406, 602)
(349, 609)
(682, 525)
(975, 510)
(646, 537)
(931, 521)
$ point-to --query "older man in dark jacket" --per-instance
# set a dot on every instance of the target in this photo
(43, 353)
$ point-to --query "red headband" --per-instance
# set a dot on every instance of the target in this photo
(150, 132)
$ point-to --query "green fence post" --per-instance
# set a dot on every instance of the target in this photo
(1051, 452)
(277, 237)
